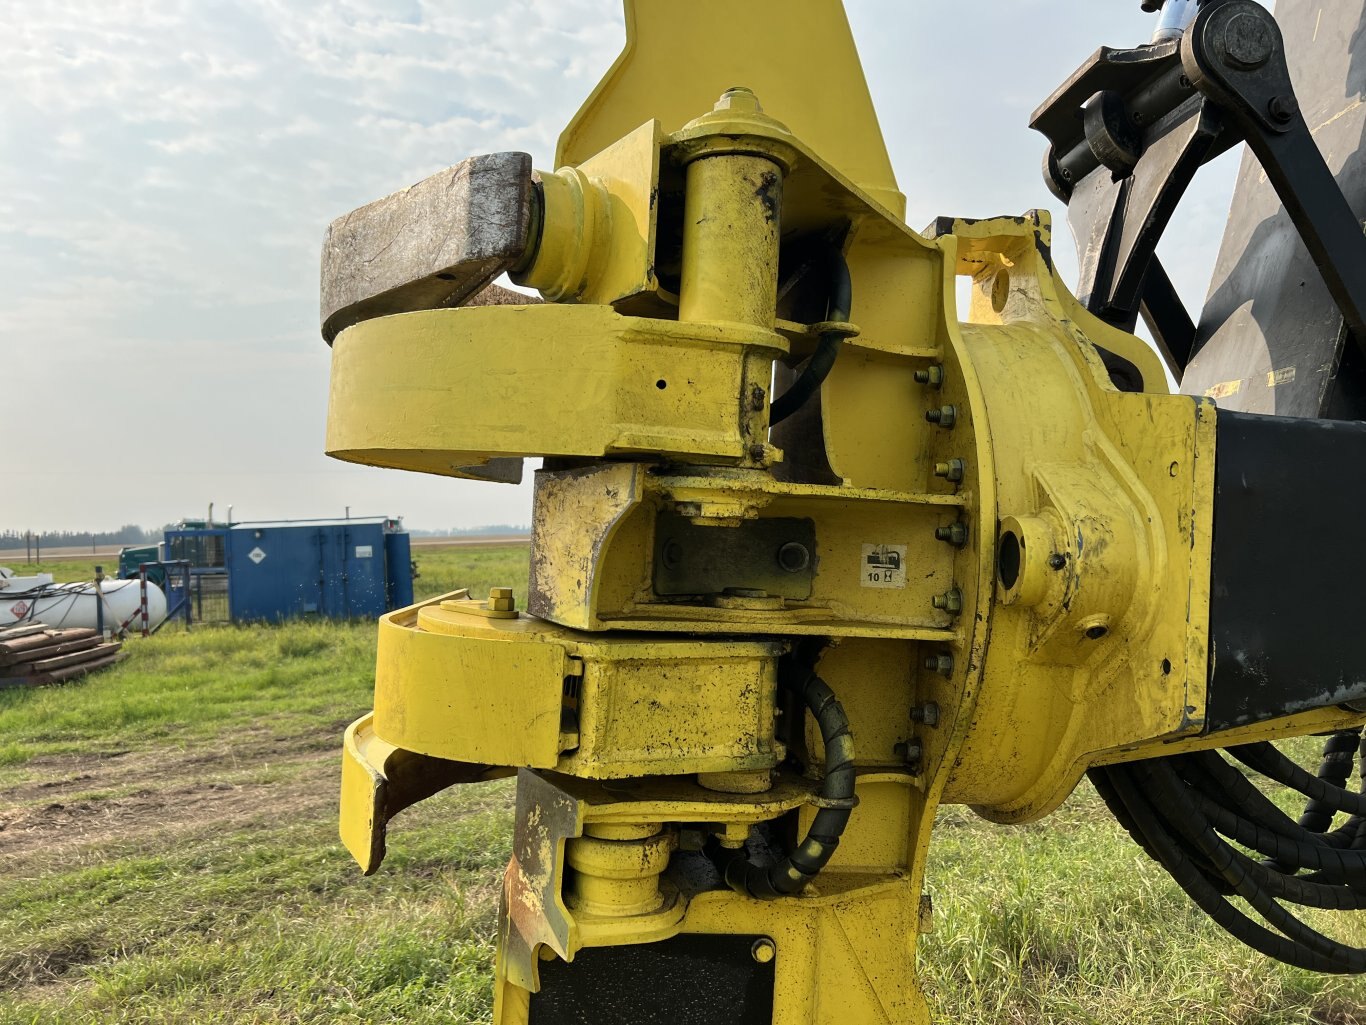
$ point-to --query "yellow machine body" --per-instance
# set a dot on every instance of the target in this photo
(1008, 557)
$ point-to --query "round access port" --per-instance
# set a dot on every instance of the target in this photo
(1023, 550)
(1008, 558)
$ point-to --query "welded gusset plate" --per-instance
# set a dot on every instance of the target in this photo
(1285, 618)
(431, 245)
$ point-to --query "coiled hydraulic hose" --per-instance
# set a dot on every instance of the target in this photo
(790, 874)
(1183, 810)
(823, 360)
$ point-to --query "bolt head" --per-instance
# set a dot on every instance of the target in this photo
(955, 534)
(763, 951)
(500, 592)
(739, 98)
(951, 471)
(951, 601)
(1283, 108)
(944, 416)
(909, 751)
(933, 376)
(672, 554)
(926, 714)
(794, 557)
(1247, 42)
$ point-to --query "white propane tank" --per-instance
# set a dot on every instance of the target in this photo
(38, 599)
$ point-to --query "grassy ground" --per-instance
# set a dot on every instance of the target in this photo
(168, 835)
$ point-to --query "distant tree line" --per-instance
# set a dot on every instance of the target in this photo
(500, 528)
(128, 534)
(133, 534)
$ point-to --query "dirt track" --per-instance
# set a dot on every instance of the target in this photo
(116, 795)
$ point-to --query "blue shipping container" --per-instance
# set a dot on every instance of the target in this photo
(278, 570)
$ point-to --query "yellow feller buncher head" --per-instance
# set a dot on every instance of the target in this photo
(814, 551)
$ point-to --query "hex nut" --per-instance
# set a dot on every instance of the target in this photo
(952, 471)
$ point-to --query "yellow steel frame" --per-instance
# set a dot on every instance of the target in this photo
(1052, 534)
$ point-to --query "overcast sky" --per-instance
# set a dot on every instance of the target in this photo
(167, 168)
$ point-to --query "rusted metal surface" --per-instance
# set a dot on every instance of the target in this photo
(429, 246)
(497, 295)
(533, 911)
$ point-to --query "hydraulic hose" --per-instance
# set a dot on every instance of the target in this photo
(1184, 810)
(823, 360)
(791, 873)
(1339, 752)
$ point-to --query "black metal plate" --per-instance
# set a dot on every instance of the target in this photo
(688, 980)
(1287, 633)
(1271, 337)
(691, 559)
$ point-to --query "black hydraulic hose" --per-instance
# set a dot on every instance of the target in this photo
(1269, 762)
(1339, 755)
(1230, 789)
(1291, 853)
(791, 873)
(1190, 877)
(1307, 948)
(823, 361)
(1177, 807)
(1302, 890)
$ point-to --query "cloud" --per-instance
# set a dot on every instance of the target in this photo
(170, 166)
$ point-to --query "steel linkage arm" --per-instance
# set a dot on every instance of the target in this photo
(1235, 55)
(1151, 116)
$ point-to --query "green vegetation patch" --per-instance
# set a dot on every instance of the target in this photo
(169, 835)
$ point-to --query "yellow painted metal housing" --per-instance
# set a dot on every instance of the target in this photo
(1011, 558)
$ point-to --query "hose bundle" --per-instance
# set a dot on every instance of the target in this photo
(1203, 820)
(788, 875)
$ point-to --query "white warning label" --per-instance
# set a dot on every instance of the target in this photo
(883, 566)
(256, 555)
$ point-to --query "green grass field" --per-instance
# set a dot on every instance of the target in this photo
(168, 837)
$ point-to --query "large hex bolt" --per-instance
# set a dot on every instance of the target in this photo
(1247, 42)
